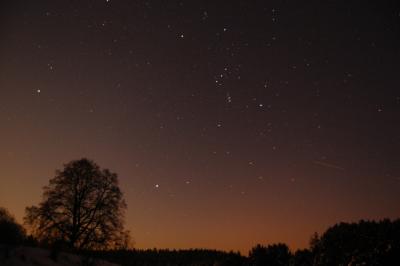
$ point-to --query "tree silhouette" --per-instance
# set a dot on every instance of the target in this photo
(11, 232)
(272, 255)
(362, 243)
(303, 257)
(82, 206)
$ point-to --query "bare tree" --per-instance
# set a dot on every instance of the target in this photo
(82, 206)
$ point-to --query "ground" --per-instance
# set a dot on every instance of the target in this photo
(27, 256)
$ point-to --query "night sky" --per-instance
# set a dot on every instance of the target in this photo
(230, 123)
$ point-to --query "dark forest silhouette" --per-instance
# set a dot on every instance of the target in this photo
(11, 232)
(82, 212)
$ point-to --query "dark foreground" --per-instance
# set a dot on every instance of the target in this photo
(362, 243)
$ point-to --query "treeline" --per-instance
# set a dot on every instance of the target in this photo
(362, 243)
(165, 257)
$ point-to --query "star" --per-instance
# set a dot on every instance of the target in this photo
(205, 15)
(228, 97)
